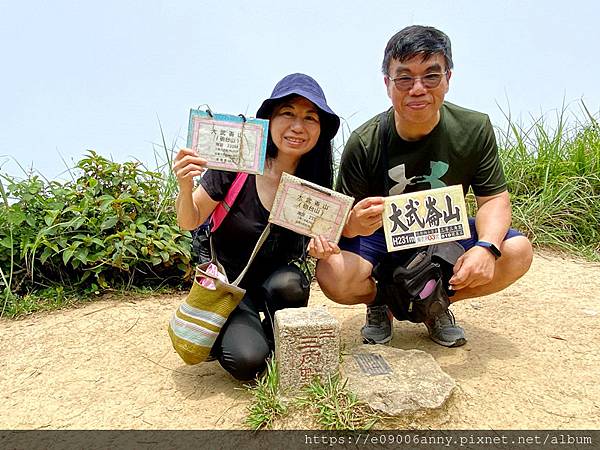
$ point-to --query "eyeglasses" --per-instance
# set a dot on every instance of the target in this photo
(429, 81)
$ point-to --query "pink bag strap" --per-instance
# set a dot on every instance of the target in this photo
(225, 205)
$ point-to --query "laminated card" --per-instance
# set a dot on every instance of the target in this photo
(229, 142)
(310, 209)
(425, 217)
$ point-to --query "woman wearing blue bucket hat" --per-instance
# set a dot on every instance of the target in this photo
(301, 128)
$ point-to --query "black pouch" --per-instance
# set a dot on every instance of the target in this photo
(201, 244)
(415, 290)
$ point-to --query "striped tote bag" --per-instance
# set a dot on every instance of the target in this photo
(195, 325)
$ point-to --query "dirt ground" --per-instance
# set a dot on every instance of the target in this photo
(532, 362)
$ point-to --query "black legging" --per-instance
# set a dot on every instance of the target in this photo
(245, 342)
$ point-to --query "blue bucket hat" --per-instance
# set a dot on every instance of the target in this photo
(307, 87)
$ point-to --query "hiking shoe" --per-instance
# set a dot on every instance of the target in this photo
(444, 331)
(378, 326)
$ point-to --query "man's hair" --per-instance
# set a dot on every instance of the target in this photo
(417, 40)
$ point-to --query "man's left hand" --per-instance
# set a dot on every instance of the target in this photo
(474, 268)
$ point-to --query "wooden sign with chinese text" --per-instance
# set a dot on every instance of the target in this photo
(310, 209)
(229, 142)
(425, 217)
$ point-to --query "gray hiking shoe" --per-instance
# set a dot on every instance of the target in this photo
(378, 326)
(444, 331)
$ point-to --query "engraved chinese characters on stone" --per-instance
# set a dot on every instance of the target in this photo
(307, 345)
(310, 353)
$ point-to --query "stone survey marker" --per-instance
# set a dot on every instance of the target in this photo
(307, 345)
(396, 381)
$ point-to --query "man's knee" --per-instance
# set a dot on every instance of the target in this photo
(518, 255)
(346, 278)
(331, 279)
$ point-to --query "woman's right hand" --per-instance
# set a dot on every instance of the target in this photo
(319, 247)
(187, 165)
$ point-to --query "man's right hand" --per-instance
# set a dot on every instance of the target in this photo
(365, 217)
(187, 165)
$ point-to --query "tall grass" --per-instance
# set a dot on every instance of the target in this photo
(553, 172)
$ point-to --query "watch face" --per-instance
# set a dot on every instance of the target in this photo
(491, 247)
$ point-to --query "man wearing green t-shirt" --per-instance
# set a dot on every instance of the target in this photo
(422, 142)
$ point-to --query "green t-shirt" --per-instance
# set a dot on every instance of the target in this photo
(461, 149)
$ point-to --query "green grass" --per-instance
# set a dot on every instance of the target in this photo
(47, 299)
(334, 407)
(553, 172)
(331, 405)
(267, 404)
(58, 297)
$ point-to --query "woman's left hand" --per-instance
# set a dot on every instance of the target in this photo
(321, 248)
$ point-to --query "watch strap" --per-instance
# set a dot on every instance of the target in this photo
(491, 248)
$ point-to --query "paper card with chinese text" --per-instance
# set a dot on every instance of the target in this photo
(425, 217)
(229, 142)
(310, 209)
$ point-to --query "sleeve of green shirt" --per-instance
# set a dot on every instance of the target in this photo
(352, 177)
(489, 176)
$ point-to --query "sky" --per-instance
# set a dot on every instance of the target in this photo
(79, 75)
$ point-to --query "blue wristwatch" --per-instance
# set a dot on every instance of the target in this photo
(491, 247)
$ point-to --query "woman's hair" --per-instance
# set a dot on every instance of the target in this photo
(316, 165)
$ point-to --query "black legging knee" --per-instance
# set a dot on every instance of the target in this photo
(287, 287)
(244, 343)
(243, 346)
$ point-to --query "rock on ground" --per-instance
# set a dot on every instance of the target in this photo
(395, 381)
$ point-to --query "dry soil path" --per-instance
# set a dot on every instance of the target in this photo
(532, 362)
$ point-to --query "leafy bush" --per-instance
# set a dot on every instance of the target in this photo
(113, 226)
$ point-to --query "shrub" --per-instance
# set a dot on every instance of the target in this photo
(113, 226)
